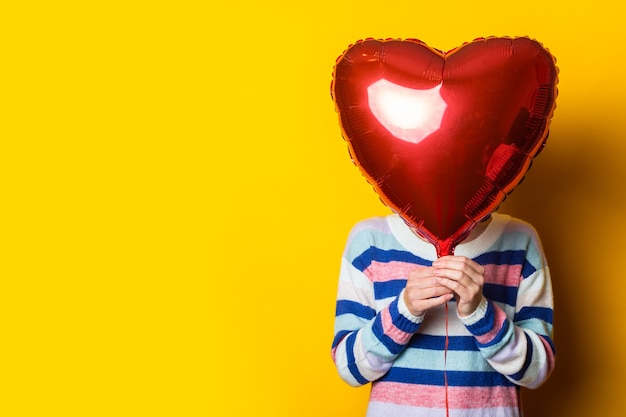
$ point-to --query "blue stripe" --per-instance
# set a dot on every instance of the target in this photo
(388, 289)
(377, 329)
(542, 313)
(352, 307)
(400, 321)
(529, 354)
(339, 337)
(455, 378)
(507, 257)
(485, 324)
(528, 269)
(460, 343)
(499, 336)
(354, 370)
(374, 254)
(500, 293)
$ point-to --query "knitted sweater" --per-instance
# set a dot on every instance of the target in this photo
(504, 345)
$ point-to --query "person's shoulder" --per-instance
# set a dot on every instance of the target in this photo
(372, 223)
(519, 234)
(370, 232)
(516, 225)
(370, 226)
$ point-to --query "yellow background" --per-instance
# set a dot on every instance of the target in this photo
(175, 197)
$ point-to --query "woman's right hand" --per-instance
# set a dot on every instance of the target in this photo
(423, 292)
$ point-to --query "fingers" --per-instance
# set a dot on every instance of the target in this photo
(460, 263)
(418, 305)
(423, 283)
(461, 270)
(423, 291)
(463, 276)
(435, 301)
(422, 278)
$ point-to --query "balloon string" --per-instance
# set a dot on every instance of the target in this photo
(445, 367)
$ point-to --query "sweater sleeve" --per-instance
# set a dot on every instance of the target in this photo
(367, 341)
(518, 347)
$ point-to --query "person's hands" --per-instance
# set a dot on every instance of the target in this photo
(464, 277)
(423, 291)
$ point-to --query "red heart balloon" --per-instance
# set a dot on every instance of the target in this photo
(443, 137)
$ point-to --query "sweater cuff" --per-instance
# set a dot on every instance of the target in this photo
(477, 315)
(404, 310)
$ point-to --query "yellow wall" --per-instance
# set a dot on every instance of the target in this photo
(176, 196)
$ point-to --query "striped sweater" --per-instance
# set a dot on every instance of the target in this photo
(504, 345)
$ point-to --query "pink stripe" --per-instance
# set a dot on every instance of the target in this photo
(482, 397)
(500, 318)
(409, 394)
(549, 354)
(435, 396)
(387, 271)
(397, 335)
(509, 275)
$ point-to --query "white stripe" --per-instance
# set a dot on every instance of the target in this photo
(379, 409)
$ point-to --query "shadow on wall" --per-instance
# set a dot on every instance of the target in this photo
(572, 184)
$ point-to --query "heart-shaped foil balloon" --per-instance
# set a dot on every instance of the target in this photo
(443, 137)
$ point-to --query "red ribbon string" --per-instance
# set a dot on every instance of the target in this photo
(445, 367)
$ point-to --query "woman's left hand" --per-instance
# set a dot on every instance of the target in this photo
(463, 276)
